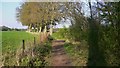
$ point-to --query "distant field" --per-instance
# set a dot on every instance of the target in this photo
(12, 40)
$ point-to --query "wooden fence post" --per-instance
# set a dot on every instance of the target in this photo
(23, 46)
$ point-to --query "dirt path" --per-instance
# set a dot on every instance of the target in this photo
(59, 57)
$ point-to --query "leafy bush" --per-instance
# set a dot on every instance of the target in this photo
(50, 38)
(62, 33)
(42, 50)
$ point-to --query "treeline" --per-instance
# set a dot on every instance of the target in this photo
(40, 16)
(5, 28)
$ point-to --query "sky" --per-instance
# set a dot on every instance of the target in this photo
(0, 13)
(8, 14)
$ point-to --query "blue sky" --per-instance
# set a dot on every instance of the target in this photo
(0, 13)
(8, 11)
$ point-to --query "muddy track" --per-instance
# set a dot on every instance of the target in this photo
(59, 57)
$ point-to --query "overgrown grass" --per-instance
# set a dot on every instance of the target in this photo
(41, 53)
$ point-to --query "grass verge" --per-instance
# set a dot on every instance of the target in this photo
(78, 53)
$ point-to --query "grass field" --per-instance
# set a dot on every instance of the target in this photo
(12, 40)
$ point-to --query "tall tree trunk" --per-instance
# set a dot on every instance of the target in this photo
(28, 29)
(90, 10)
(95, 52)
(40, 29)
(98, 12)
(45, 29)
(51, 28)
(37, 30)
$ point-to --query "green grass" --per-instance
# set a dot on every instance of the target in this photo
(77, 52)
(60, 34)
(11, 41)
(0, 48)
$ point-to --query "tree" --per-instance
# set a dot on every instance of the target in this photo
(38, 15)
(110, 30)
